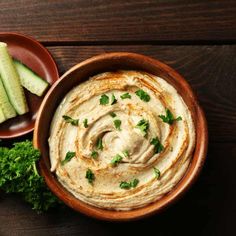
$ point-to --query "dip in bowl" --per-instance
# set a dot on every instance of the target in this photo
(125, 136)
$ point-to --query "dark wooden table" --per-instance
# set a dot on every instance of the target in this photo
(198, 39)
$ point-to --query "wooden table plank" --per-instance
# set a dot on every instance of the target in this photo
(208, 208)
(120, 20)
(209, 69)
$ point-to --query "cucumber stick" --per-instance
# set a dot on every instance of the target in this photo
(2, 117)
(30, 80)
(11, 81)
(5, 105)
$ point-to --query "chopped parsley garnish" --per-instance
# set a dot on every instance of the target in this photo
(125, 153)
(85, 123)
(69, 156)
(157, 172)
(113, 99)
(125, 96)
(169, 118)
(117, 124)
(90, 176)
(116, 160)
(129, 185)
(104, 100)
(99, 144)
(143, 95)
(94, 154)
(158, 147)
(68, 119)
(112, 114)
(143, 125)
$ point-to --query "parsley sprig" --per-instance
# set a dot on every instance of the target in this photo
(117, 124)
(90, 176)
(158, 147)
(69, 156)
(143, 126)
(125, 96)
(169, 117)
(70, 120)
(19, 174)
(116, 160)
(129, 185)
(143, 95)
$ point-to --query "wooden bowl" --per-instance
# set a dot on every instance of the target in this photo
(104, 63)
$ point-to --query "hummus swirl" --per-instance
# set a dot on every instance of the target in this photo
(157, 172)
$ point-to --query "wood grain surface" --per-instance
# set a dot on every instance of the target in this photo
(120, 20)
(198, 39)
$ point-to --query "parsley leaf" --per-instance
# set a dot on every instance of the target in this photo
(94, 154)
(169, 118)
(129, 185)
(85, 123)
(19, 174)
(90, 176)
(113, 99)
(99, 144)
(143, 95)
(69, 156)
(117, 124)
(157, 172)
(125, 96)
(112, 114)
(143, 125)
(158, 147)
(104, 100)
(116, 160)
(68, 119)
(125, 153)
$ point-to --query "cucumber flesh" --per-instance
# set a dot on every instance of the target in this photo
(11, 81)
(2, 117)
(30, 80)
(5, 105)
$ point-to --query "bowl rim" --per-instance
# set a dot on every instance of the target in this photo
(183, 185)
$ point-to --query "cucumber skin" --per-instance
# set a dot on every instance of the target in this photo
(5, 105)
(11, 81)
(29, 78)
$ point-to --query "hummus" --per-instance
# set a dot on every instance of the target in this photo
(131, 143)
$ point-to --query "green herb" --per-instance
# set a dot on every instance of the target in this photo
(85, 123)
(129, 185)
(143, 125)
(169, 118)
(125, 96)
(90, 176)
(68, 119)
(18, 174)
(69, 156)
(104, 100)
(157, 172)
(113, 99)
(116, 160)
(99, 144)
(94, 154)
(112, 114)
(158, 147)
(143, 95)
(117, 124)
(125, 153)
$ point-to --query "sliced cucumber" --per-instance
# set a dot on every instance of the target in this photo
(11, 81)
(5, 105)
(2, 117)
(30, 80)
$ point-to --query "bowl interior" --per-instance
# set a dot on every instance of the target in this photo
(111, 62)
